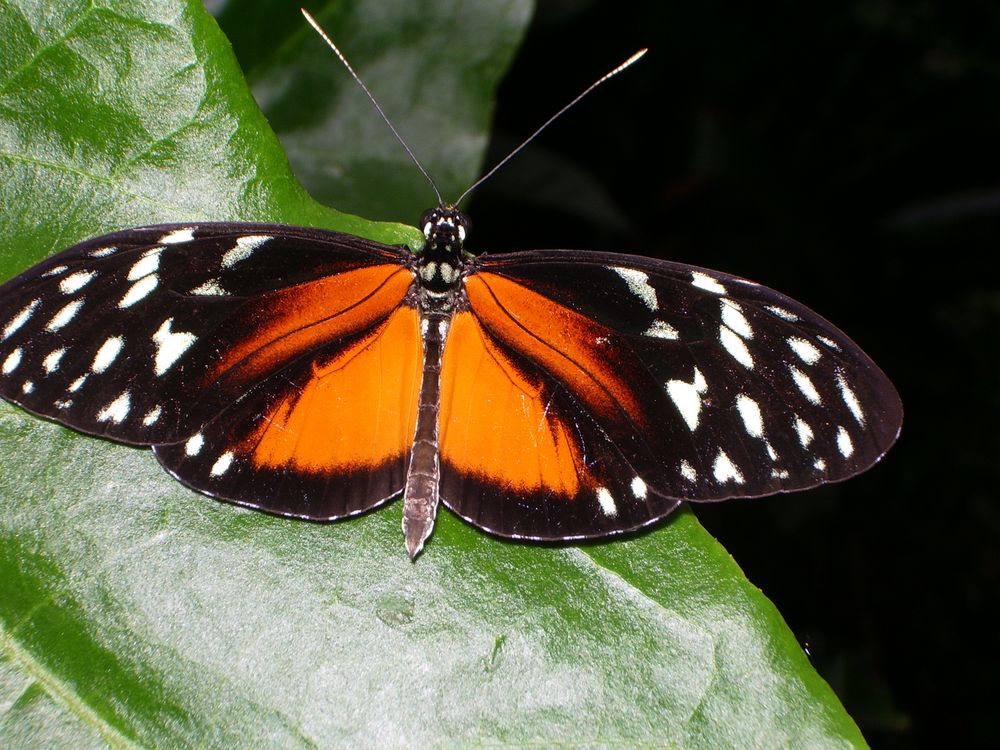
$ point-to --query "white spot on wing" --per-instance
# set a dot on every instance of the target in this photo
(688, 472)
(661, 329)
(147, 264)
(194, 444)
(222, 464)
(76, 281)
(850, 399)
(151, 416)
(109, 350)
(138, 291)
(65, 315)
(750, 414)
(819, 464)
(724, 470)
(117, 410)
(28, 387)
(170, 345)
(783, 313)
(607, 502)
(844, 444)
(703, 281)
(55, 271)
(829, 342)
(639, 488)
(51, 361)
(687, 397)
(734, 320)
(804, 431)
(20, 319)
(735, 346)
(804, 350)
(77, 384)
(13, 360)
(804, 384)
(210, 288)
(638, 284)
(178, 235)
(102, 252)
(245, 247)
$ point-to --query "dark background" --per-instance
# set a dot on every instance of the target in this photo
(846, 154)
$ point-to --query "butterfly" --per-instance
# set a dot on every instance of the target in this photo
(547, 394)
(542, 395)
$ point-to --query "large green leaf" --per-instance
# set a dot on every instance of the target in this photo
(136, 613)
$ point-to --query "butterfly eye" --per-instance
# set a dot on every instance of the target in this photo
(464, 226)
(427, 221)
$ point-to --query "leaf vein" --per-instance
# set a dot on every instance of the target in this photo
(61, 692)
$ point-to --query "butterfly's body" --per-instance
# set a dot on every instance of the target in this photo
(548, 395)
(438, 287)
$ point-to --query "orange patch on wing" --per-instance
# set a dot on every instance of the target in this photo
(357, 409)
(494, 421)
(577, 350)
(293, 320)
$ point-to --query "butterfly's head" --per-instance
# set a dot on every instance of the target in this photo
(445, 227)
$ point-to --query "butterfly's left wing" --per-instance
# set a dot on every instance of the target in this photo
(586, 394)
(272, 366)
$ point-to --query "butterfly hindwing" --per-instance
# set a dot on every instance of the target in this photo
(521, 455)
(664, 381)
(327, 437)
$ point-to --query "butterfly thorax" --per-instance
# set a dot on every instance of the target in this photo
(441, 260)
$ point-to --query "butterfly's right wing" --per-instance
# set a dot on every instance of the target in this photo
(587, 394)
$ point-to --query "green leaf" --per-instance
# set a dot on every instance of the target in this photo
(432, 79)
(135, 613)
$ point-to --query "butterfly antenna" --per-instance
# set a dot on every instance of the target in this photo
(607, 76)
(356, 77)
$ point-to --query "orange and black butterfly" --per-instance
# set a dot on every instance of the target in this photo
(547, 395)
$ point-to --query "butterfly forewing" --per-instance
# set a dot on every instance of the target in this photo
(651, 382)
